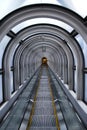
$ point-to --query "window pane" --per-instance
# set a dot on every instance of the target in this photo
(7, 6)
(11, 79)
(3, 44)
(83, 46)
(75, 81)
(86, 87)
(1, 94)
(28, 2)
(79, 6)
(11, 58)
(42, 20)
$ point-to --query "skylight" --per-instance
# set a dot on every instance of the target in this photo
(7, 6)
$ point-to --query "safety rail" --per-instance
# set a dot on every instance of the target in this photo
(47, 89)
(23, 96)
(63, 97)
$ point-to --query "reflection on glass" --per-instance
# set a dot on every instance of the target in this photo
(83, 45)
(80, 7)
(85, 87)
(11, 80)
(1, 94)
(75, 81)
(3, 44)
(7, 6)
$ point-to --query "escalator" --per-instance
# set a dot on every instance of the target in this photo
(44, 116)
(43, 105)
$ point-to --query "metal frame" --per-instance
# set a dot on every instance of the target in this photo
(39, 11)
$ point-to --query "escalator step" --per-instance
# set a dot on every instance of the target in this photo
(44, 111)
(43, 128)
(43, 121)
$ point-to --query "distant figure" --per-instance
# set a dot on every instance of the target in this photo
(44, 60)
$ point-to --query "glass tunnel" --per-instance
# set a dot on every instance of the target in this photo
(43, 65)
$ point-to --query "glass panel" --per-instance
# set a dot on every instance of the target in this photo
(79, 6)
(11, 59)
(75, 59)
(3, 45)
(27, 2)
(7, 6)
(83, 45)
(85, 87)
(1, 94)
(11, 79)
(42, 20)
(75, 82)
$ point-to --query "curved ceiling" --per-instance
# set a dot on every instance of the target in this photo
(30, 43)
(78, 6)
